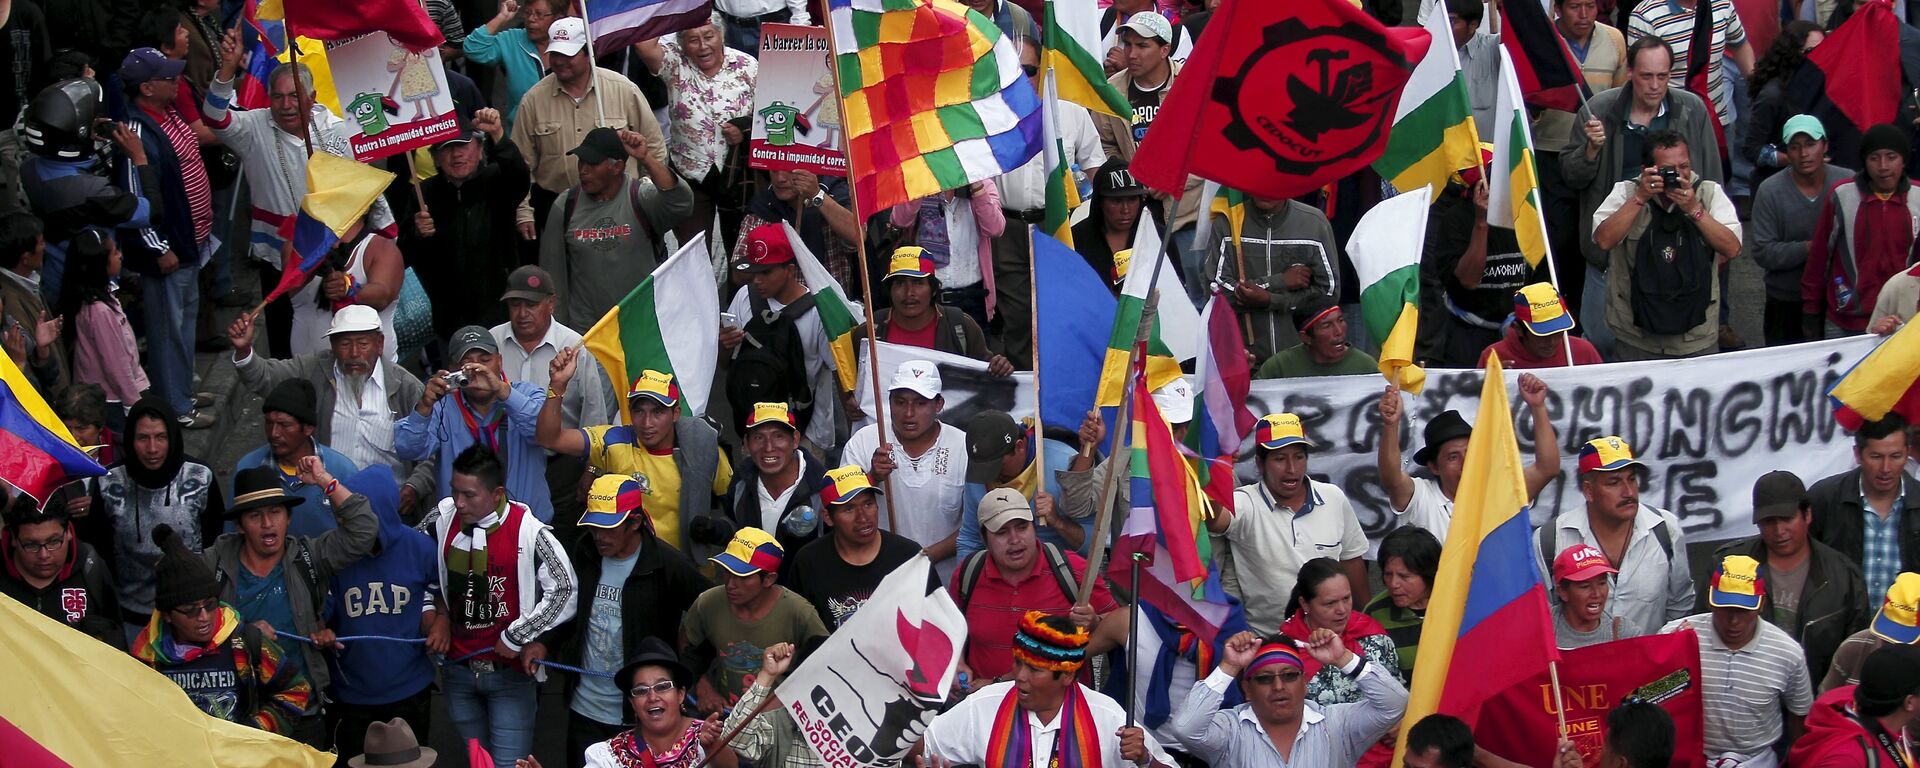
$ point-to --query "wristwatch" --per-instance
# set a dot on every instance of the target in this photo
(819, 196)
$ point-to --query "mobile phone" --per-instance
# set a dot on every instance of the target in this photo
(728, 319)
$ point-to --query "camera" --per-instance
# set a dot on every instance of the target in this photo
(1670, 176)
(458, 379)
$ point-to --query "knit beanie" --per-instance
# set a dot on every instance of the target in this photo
(293, 397)
(181, 577)
(1884, 136)
(1049, 642)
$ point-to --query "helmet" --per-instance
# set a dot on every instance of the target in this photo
(58, 123)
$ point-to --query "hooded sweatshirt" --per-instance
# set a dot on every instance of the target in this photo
(1836, 738)
(81, 594)
(238, 676)
(181, 492)
(383, 595)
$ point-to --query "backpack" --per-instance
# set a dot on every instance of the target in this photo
(975, 563)
(770, 366)
(1550, 540)
(1673, 274)
(633, 198)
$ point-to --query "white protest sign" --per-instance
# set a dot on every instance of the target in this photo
(398, 99)
(796, 112)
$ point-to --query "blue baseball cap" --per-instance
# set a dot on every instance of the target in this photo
(146, 64)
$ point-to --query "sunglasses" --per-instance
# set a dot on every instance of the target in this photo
(661, 688)
(195, 609)
(1288, 677)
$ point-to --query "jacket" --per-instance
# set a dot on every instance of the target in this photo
(1836, 738)
(1859, 243)
(1116, 139)
(1837, 522)
(743, 501)
(308, 563)
(181, 492)
(174, 223)
(384, 594)
(1619, 285)
(1833, 604)
(21, 300)
(546, 581)
(1270, 243)
(81, 594)
(1594, 179)
(464, 265)
(260, 373)
(954, 331)
(656, 595)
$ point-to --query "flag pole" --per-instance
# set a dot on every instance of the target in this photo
(1553, 272)
(1039, 421)
(726, 739)
(1122, 423)
(1133, 635)
(866, 285)
(1559, 708)
(593, 72)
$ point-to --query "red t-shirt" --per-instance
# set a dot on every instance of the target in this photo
(1514, 355)
(996, 607)
(922, 338)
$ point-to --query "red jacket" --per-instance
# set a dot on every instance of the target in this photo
(1835, 738)
(1860, 240)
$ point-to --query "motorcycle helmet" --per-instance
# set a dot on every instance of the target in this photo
(59, 122)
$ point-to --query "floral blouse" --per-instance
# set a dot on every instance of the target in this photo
(701, 104)
(1331, 686)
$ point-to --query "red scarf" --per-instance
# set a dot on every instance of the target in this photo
(1359, 625)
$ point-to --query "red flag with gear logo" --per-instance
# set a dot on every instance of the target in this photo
(1280, 98)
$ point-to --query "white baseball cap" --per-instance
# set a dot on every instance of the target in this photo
(354, 318)
(566, 36)
(918, 376)
(1175, 401)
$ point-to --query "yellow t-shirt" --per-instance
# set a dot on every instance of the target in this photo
(616, 450)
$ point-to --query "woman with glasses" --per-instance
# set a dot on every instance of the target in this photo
(663, 735)
(1323, 599)
(517, 51)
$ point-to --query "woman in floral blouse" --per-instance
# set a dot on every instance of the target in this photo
(710, 110)
(1323, 599)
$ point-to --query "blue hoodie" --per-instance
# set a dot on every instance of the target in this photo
(382, 595)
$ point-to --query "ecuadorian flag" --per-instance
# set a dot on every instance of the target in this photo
(1433, 133)
(1489, 599)
(1513, 192)
(669, 323)
(339, 192)
(37, 453)
(1882, 382)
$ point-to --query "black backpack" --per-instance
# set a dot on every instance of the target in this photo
(1673, 274)
(770, 366)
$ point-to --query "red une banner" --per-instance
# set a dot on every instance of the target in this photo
(1519, 724)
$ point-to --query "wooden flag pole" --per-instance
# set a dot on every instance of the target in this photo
(866, 289)
(1039, 422)
(1117, 460)
(593, 71)
(1559, 708)
(728, 737)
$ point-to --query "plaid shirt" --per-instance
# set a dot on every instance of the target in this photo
(1880, 557)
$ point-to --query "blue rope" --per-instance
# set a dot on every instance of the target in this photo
(575, 670)
(353, 638)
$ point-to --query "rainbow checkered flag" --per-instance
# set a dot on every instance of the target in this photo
(933, 97)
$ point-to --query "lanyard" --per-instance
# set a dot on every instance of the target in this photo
(1902, 758)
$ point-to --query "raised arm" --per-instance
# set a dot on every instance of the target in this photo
(1396, 481)
(1546, 443)
(547, 430)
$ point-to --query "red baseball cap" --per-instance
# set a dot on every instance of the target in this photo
(767, 247)
(1581, 562)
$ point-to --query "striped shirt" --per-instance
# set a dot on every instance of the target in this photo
(1743, 690)
(1674, 24)
(1880, 555)
(193, 172)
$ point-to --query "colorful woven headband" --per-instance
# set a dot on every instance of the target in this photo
(1042, 647)
(1274, 653)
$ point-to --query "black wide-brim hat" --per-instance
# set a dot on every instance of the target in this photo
(256, 487)
(1446, 426)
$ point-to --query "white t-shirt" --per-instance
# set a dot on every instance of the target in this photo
(929, 489)
(1429, 508)
(813, 340)
(1270, 543)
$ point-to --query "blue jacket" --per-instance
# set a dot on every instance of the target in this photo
(445, 433)
(175, 224)
(382, 596)
(312, 516)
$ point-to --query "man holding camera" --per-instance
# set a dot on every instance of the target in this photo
(474, 404)
(1666, 232)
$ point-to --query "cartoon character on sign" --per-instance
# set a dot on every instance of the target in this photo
(370, 110)
(781, 120)
(826, 109)
(413, 79)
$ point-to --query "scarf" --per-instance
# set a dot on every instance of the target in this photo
(155, 644)
(629, 750)
(1359, 626)
(467, 558)
(1010, 744)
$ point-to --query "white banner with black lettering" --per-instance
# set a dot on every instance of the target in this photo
(865, 697)
(1706, 427)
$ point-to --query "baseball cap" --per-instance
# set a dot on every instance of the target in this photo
(751, 551)
(530, 283)
(470, 338)
(1738, 582)
(611, 499)
(145, 64)
(1122, 259)
(767, 247)
(919, 377)
(1799, 124)
(1114, 180)
(656, 386)
(1150, 24)
(771, 413)
(1899, 618)
(600, 145)
(566, 36)
(354, 318)
(844, 483)
(1777, 494)
(1279, 430)
(467, 133)
(909, 261)
(1581, 562)
(990, 437)
(1540, 309)
(1174, 400)
(1606, 454)
(1001, 506)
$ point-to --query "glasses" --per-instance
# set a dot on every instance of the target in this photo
(1288, 677)
(54, 544)
(536, 15)
(195, 609)
(661, 688)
